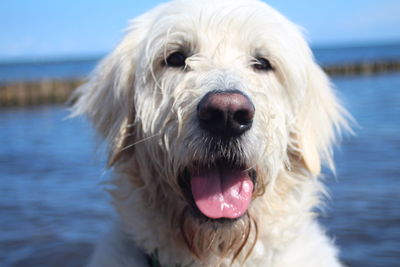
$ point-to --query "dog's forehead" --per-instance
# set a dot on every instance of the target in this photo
(229, 34)
(220, 22)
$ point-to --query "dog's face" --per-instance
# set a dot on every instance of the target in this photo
(210, 106)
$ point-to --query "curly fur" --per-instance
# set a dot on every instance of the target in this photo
(146, 112)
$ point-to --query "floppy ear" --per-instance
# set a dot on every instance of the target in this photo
(107, 97)
(320, 120)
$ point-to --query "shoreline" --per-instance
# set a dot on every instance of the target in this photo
(54, 91)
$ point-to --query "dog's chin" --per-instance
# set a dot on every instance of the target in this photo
(219, 191)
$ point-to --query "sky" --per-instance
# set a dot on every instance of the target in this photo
(72, 28)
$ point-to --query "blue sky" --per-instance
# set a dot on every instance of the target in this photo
(62, 28)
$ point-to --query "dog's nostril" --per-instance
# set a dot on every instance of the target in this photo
(225, 113)
(244, 116)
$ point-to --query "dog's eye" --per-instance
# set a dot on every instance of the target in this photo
(176, 59)
(263, 64)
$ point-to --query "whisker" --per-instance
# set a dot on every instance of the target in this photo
(140, 141)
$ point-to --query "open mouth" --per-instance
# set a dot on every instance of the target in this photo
(221, 190)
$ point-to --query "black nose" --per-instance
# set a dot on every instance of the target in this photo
(225, 113)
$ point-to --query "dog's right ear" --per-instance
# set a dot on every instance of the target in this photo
(320, 121)
(107, 98)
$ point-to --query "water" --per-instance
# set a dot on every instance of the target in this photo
(371, 53)
(33, 70)
(364, 213)
(53, 207)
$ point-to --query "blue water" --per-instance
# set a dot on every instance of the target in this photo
(33, 70)
(355, 54)
(364, 213)
(53, 206)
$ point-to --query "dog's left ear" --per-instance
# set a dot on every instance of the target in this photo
(107, 98)
(320, 120)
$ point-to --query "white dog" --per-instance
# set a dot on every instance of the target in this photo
(218, 120)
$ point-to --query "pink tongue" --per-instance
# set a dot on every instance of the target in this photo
(221, 192)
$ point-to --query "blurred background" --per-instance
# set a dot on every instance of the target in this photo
(52, 200)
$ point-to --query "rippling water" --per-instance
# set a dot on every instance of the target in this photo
(364, 213)
(52, 204)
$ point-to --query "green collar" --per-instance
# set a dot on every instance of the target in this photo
(152, 259)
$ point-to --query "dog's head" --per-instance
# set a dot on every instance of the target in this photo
(208, 105)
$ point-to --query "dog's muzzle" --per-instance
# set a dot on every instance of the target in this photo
(220, 186)
(226, 113)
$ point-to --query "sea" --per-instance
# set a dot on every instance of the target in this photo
(53, 202)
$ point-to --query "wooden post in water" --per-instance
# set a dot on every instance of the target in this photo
(363, 68)
(35, 93)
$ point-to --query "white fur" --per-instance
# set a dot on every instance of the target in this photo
(147, 113)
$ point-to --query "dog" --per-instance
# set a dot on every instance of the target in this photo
(217, 120)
